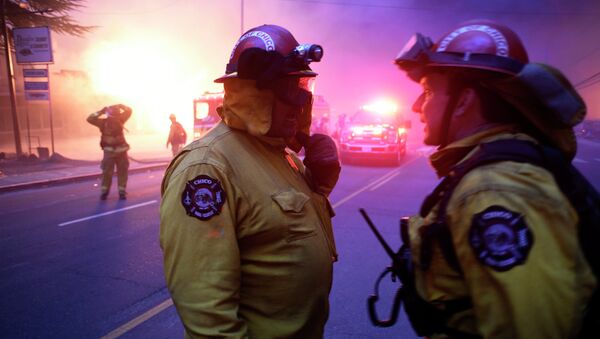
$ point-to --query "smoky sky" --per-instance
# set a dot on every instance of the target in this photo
(360, 38)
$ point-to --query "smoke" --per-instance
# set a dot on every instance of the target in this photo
(360, 39)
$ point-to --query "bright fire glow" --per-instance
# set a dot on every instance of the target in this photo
(382, 106)
(151, 76)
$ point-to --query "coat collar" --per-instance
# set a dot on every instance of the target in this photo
(445, 158)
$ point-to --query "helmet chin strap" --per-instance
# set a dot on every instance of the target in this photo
(454, 94)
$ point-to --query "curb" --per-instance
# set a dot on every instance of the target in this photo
(64, 180)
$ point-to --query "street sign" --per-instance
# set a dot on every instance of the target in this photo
(36, 86)
(32, 45)
(34, 96)
(35, 73)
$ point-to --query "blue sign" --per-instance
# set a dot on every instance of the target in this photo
(35, 73)
(36, 86)
(33, 96)
(32, 45)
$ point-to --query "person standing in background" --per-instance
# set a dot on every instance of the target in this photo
(110, 121)
(177, 135)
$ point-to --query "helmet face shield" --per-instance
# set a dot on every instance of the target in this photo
(294, 91)
(291, 108)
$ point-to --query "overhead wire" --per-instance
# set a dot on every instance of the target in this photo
(437, 9)
(589, 81)
(590, 84)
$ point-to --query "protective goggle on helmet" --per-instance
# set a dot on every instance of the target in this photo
(479, 44)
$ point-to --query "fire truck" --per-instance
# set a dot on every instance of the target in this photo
(206, 116)
(376, 131)
(205, 112)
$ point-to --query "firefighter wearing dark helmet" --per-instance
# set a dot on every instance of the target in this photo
(496, 254)
(110, 121)
(245, 225)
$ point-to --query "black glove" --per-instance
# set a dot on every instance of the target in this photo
(322, 162)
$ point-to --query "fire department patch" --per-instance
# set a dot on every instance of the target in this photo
(203, 197)
(500, 238)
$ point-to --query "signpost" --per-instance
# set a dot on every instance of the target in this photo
(33, 46)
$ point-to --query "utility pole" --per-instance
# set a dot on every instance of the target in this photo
(242, 17)
(11, 82)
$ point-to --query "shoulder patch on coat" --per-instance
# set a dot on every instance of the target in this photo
(203, 197)
(500, 238)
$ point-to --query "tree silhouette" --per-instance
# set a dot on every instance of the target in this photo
(51, 13)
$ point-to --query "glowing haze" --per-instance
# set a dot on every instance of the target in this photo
(149, 75)
(157, 55)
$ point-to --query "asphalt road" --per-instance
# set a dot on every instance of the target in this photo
(72, 266)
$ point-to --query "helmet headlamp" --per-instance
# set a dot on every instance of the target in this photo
(307, 53)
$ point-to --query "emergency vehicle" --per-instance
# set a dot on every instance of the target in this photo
(321, 111)
(205, 112)
(376, 131)
(206, 116)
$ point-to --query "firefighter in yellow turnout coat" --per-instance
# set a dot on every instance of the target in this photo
(245, 226)
(539, 291)
(110, 121)
(498, 255)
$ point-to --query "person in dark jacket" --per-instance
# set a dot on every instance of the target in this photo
(177, 135)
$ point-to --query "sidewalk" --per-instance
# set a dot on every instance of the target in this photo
(78, 159)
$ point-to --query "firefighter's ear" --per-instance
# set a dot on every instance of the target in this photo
(467, 99)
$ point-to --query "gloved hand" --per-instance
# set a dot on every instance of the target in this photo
(321, 161)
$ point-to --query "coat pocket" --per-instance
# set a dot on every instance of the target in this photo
(295, 217)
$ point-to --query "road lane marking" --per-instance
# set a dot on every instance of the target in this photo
(383, 179)
(390, 177)
(165, 304)
(352, 195)
(381, 183)
(140, 319)
(106, 213)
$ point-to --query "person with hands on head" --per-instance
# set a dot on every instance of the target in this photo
(245, 226)
(110, 121)
(497, 249)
